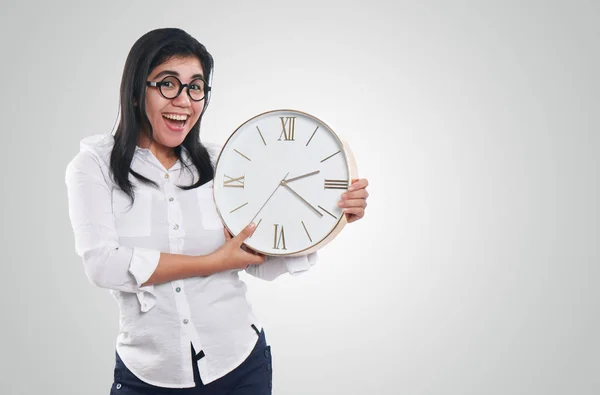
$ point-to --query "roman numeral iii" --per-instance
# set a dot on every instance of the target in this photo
(287, 128)
(233, 182)
(336, 184)
(281, 241)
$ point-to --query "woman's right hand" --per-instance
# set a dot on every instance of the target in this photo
(232, 255)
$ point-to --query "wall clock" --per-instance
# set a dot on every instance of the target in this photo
(284, 170)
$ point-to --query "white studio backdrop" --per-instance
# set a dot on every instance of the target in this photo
(476, 124)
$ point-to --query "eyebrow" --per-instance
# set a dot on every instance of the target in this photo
(176, 74)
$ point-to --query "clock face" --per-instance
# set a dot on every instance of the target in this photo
(285, 171)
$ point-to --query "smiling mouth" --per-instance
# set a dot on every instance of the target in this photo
(175, 120)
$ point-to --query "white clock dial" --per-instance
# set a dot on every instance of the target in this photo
(284, 170)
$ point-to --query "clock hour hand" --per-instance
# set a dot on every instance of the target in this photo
(302, 176)
(284, 184)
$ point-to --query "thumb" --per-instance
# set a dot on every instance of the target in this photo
(227, 234)
(246, 232)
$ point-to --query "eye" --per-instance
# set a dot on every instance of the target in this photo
(170, 83)
(196, 86)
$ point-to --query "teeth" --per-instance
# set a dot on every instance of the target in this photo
(175, 117)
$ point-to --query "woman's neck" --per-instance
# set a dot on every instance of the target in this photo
(165, 155)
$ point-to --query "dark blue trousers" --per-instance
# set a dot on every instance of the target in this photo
(252, 377)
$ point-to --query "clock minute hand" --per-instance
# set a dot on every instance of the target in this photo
(284, 184)
(303, 175)
(269, 198)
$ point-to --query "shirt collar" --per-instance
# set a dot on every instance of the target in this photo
(146, 153)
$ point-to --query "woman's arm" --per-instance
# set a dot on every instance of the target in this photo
(229, 256)
(111, 265)
(172, 267)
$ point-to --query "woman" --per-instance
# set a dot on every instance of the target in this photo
(134, 203)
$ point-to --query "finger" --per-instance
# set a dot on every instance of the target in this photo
(359, 212)
(353, 203)
(358, 183)
(251, 250)
(227, 234)
(360, 194)
(254, 258)
(351, 218)
(246, 232)
(248, 249)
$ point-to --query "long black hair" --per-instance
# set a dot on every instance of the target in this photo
(148, 52)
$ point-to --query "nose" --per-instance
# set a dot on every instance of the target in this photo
(183, 100)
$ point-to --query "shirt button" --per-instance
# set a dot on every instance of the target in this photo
(119, 386)
(171, 199)
(185, 321)
(177, 289)
(267, 353)
(175, 226)
(166, 175)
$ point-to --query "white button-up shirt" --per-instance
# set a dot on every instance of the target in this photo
(120, 247)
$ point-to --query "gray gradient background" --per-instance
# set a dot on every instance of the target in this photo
(476, 123)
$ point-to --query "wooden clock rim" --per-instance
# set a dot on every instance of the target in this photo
(352, 174)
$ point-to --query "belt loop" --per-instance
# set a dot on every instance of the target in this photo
(255, 329)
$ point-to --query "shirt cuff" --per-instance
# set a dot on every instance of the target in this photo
(143, 264)
(299, 264)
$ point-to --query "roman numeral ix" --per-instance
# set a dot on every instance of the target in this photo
(233, 182)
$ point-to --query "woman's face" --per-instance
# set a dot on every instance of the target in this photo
(172, 119)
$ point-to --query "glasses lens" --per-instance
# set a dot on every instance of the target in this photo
(169, 87)
(197, 88)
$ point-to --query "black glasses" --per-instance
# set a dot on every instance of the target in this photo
(170, 87)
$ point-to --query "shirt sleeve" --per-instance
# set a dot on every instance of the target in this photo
(275, 266)
(107, 264)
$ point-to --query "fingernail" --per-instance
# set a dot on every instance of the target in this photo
(351, 188)
(341, 204)
(252, 225)
(344, 195)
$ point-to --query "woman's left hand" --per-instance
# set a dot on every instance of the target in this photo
(354, 201)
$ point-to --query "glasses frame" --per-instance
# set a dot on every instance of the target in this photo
(162, 82)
